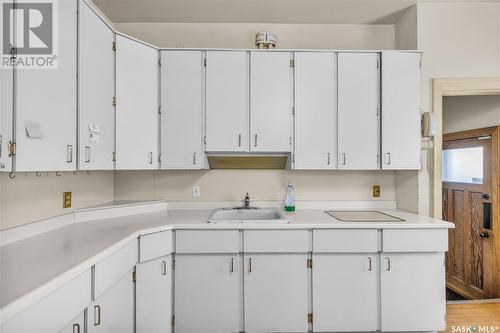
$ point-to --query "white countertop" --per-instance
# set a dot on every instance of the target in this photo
(33, 267)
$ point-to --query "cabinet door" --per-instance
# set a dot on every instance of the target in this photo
(227, 100)
(114, 310)
(358, 111)
(77, 325)
(315, 111)
(154, 296)
(345, 292)
(412, 292)
(271, 100)
(46, 104)
(401, 110)
(208, 294)
(6, 113)
(276, 293)
(137, 120)
(181, 101)
(96, 116)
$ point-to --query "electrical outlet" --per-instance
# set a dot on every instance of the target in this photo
(66, 199)
(196, 191)
(376, 191)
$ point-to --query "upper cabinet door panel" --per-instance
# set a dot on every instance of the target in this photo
(97, 88)
(358, 108)
(271, 100)
(137, 79)
(46, 104)
(181, 100)
(227, 101)
(401, 110)
(315, 111)
(6, 113)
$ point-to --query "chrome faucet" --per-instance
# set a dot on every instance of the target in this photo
(247, 201)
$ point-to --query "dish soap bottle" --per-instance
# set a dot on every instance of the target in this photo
(289, 200)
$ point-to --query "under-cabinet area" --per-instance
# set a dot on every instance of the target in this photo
(292, 278)
(123, 104)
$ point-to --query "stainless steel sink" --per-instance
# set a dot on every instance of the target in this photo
(247, 215)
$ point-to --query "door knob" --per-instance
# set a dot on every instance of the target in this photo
(484, 235)
(486, 196)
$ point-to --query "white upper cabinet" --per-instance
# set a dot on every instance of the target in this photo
(96, 117)
(401, 110)
(6, 112)
(137, 123)
(271, 101)
(182, 110)
(227, 100)
(315, 111)
(46, 104)
(358, 111)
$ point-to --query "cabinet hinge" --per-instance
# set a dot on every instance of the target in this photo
(159, 109)
(309, 318)
(173, 321)
(293, 110)
(420, 64)
(159, 62)
(173, 265)
(113, 157)
(114, 46)
(204, 62)
(309, 263)
(159, 158)
(12, 148)
(205, 140)
(113, 102)
(134, 277)
(292, 63)
(293, 158)
(378, 64)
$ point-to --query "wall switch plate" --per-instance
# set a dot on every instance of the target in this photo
(196, 191)
(376, 191)
(66, 199)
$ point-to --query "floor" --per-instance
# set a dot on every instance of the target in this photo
(473, 316)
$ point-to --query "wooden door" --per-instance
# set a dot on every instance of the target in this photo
(467, 203)
(271, 101)
(315, 111)
(181, 103)
(227, 100)
(358, 111)
(276, 293)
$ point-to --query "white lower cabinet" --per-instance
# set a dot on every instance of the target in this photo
(114, 310)
(276, 293)
(77, 325)
(208, 293)
(345, 292)
(412, 292)
(154, 296)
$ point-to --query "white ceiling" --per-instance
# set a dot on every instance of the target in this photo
(259, 11)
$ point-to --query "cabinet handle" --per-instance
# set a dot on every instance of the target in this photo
(255, 140)
(388, 264)
(1, 145)
(150, 157)
(388, 158)
(231, 268)
(87, 154)
(97, 315)
(369, 263)
(69, 153)
(163, 267)
(329, 159)
(249, 265)
(239, 140)
(343, 158)
(76, 328)
(194, 158)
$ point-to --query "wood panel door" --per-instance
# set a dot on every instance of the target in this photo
(467, 203)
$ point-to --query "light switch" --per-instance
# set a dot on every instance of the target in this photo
(196, 191)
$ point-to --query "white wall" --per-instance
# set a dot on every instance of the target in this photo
(267, 185)
(462, 113)
(406, 30)
(242, 35)
(29, 198)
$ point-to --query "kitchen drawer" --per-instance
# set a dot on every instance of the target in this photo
(276, 240)
(415, 240)
(207, 241)
(155, 245)
(54, 311)
(109, 271)
(346, 240)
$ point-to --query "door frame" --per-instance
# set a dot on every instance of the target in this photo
(467, 87)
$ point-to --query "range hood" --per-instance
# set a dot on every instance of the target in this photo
(248, 160)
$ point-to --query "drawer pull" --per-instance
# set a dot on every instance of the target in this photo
(163, 267)
(97, 315)
(69, 153)
(87, 154)
(239, 140)
(369, 263)
(388, 264)
(231, 268)
(249, 265)
(76, 328)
